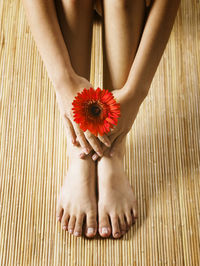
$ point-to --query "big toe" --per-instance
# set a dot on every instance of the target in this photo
(104, 225)
(91, 225)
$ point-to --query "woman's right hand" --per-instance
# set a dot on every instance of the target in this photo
(65, 95)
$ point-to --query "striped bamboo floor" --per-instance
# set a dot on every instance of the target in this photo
(162, 155)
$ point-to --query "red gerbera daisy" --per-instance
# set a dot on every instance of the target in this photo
(96, 110)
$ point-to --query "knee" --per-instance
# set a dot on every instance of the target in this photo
(120, 4)
(76, 2)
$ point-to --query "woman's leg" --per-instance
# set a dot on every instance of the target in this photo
(77, 199)
(76, 19)
(123, 25)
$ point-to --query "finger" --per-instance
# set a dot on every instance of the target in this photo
(116, 144)
(69, 129)
(95, 156)
(94, 142)
(82, 140)
(105, 140)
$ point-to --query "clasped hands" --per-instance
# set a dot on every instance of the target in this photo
(90, 144)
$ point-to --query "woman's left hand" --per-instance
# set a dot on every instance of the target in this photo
(129, 107)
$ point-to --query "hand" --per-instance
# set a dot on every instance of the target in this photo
(129, 108)
(65, 97)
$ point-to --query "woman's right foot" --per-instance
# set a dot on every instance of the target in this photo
(77, 206)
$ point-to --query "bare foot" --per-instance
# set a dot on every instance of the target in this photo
(77, 199)
(117, 203)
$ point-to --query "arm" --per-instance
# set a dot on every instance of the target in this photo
(42, 18)
(153, 42)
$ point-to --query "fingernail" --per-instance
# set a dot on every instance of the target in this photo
(76, 233)
(90, 231)
(108, 144)
(111, 154)
(70, 231)
(86, 150)
(100, 153)
(64, 227)
(94, 157)
(104, 230)
(82, 155)
(58, 219)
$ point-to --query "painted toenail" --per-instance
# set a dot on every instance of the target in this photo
(70, 231)
(76, 233)
(90, 231)
(104, 230)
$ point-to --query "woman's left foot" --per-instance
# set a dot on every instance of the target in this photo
(117, 203)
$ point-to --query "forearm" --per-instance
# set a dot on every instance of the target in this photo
(153, 42)
(45, 29)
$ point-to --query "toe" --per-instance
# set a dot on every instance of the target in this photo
(91, 225)
(71, 224)
(115, 226)
(59, 213)
(123, 227)
(65, 220)
(135, 211)
(79, 225)
(129, 219)
(104, 226)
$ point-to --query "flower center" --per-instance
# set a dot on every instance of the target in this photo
(95, 109)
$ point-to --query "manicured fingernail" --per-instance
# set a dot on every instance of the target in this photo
(94, 157)
(76, 233)
(90, 230)
(104, 230)
(64, 227)
(86, 150)
(70, 231)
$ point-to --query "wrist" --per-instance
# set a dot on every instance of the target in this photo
(137, 93)
(65, 82)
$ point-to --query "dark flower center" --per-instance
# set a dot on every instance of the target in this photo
(95, 109)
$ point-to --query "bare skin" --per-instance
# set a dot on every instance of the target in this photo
(117, 206)
(77, 205)
(131, 56)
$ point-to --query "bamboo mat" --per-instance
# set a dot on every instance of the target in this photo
(162, 155)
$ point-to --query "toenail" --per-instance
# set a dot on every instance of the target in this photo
(90, 231)
(123, 232)
(76, 233)
(104, 230)
(70, 231)
(117, 234)
(64, 227)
